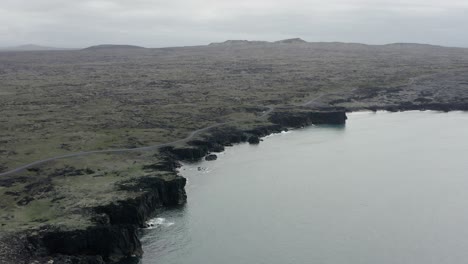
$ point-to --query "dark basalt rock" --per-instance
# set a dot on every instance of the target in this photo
(158, 193)
(226, 136)
(211, 146)
(217, 148)
(25, 200)
(254, 140)
(211, 157)
(167, 164)
(265, 130)
(302, 119)
(114, 236)
(70, 171)
(221, 137)
(8, 182)
(444, 107)
(78, 260)
(112, 242)
(2, 168)
(190, 154)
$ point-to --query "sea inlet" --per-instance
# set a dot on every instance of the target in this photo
(384, 188)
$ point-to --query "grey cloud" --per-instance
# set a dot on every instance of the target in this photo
(192, 22)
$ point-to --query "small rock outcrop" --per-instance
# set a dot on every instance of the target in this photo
(211, 157)
(190, 154)
(253, 140)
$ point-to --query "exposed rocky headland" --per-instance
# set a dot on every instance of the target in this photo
(111, 236)
(125, 103)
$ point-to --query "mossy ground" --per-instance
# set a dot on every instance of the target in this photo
(63, 193)
(61, 102)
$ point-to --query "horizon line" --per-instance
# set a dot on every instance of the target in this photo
(58, 47)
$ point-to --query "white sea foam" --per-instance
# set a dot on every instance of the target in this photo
(276, 134)
(157, 222)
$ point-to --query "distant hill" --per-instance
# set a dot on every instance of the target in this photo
(257, 42)
(412, 45)
(31, 47)
(290, 41)
(238, 42)
(112, 46)
(329, 45)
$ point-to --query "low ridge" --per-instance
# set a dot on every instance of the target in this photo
(256, 42)
(290, 41)
(112, 46)
(238, 42)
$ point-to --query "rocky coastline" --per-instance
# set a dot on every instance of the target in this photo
(410, 106)
(90, 209)
(221, 137)
(114, 238)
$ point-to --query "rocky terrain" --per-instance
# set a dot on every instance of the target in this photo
(88, 208)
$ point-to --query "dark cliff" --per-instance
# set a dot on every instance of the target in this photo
(281, 121)
(159, 193)
(111, 243)
(302, 119)
(115, 235)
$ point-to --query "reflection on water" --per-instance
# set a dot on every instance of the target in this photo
(387, 188)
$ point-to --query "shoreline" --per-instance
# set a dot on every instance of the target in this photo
(403, 107)
(123, 220)
(71, 207)
(247, 167)
(114, 235)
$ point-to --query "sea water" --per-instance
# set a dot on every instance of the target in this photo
(385, 188)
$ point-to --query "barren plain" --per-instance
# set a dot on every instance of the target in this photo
(56, 103)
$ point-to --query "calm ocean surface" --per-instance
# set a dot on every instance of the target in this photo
(386, 188)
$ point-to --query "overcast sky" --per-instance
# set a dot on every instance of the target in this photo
(160, 23)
